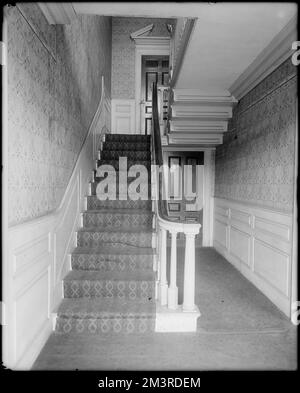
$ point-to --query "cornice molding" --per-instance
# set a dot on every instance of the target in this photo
(196, 138)
(142, 32)
(278, 50)
(200, 96)
(181, 50)
(218, 112)
(211, 126)
(152, 41)
(58, 13)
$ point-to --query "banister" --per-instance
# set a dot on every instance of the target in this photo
(166, 221)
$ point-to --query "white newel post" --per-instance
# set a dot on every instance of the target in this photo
(173, 289)
(163, 268)
(189, 273)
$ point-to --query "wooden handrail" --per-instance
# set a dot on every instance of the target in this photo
(168, 295)
(157, 160)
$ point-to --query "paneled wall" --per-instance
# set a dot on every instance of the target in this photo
(57, 112)
(54, 88)
(258, 242)
(254, 186)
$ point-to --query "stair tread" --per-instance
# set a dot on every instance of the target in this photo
(95, 275)
(120, 211)
(109, 251)
(136, 229)
(98, 307)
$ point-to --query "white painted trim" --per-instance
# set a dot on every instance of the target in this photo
(198, 95)
(187, 148)
(122, 116)
(58, 13)
(2, 53)
(142, 32)
(258, 242)
(168, 320)
(208, 180)
(278, 50)
(294, 269)
(38, 257)
(199, 125)
(196, 138)
(147, 46)
(7, 336)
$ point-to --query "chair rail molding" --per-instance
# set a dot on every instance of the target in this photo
(38, 256)
(278, 50)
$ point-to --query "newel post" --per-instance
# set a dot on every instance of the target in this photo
(189, 272)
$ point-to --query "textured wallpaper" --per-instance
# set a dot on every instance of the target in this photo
(255, 164)
(123, 52)
(54, 87)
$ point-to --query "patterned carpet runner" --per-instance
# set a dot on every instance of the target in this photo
(110, 288)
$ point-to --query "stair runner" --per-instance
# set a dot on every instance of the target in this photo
(111, 287)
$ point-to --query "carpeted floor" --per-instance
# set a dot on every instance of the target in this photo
(239, 329)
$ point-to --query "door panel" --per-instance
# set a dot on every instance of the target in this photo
(154, 69)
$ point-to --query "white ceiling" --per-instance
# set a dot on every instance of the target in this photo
(227, 36)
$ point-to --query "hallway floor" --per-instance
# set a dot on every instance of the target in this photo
(239, 329)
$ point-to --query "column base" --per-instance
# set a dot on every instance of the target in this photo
(168, 320)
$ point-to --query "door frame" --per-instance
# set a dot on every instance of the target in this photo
(208, 184)
(146, 46)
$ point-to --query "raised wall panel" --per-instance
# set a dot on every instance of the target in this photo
(123, 116)
(32, 305)
(220, 233)
(277, 229)
(260, 239)
(30, 253)
(240, 245)
(271, 264)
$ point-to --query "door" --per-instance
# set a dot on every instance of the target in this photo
(154, 69)
(186, 187)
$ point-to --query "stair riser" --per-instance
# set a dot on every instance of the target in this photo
(143, 191)
(117, 220)
(105, 325)
(126, 146)
(93, 203)
(96, 239)
(131, 155)
(115, 163)
(83, 262)
(127, 138)
(130, 290)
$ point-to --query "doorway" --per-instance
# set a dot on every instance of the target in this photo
(154, 69)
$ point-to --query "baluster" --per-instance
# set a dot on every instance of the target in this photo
(189, 273)
(163, 268)
(173, 290)
(158, 252)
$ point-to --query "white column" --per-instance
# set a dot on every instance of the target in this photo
(189, 273)
(173, 290)
(158, 251)
(163, 285)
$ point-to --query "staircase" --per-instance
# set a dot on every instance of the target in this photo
(111, 287)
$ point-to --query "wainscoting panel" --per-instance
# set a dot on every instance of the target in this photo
(39, 256)
(258, 242)
(123, 116)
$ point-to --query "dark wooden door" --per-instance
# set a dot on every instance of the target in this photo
(154, 69)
